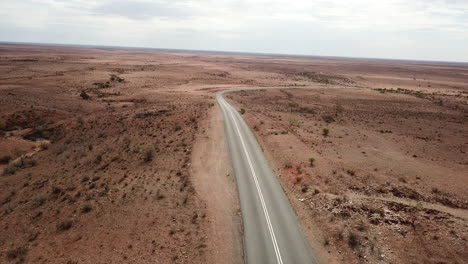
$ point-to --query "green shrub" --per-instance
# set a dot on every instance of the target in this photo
(325, 132)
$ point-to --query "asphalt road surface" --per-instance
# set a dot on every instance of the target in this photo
(271, 230)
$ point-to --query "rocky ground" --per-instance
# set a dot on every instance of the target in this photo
(95, 168)
(377, 176)
(116, 155)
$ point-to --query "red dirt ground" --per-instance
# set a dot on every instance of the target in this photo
(103, 154)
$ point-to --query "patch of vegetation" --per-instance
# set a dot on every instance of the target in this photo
(294, 121)
(84, 95)
(328, 119)
(86, 209)
(288, 94)
(64, 226)
(3, 125)
(22, 163)
(38, 202)
(44, 145)
(325, 132)
(418, 94)
(385, 131)
(116, 78)
(326, 79)
(17, 254)
(101, 85)
(148, 155)
(353, 240)
(242, 111)
(306, 110)
(98, 158)
(151, 113)
(5, 159)
(312, 161)
(362, 227)
(339, 109)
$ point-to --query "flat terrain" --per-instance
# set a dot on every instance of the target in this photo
(117, 155)
(378, 176)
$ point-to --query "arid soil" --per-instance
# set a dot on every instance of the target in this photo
(96, 160)
(111, 155)
(375, 176)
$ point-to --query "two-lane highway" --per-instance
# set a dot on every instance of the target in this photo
(271, 230)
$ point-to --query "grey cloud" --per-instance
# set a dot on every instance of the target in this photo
(143, 10)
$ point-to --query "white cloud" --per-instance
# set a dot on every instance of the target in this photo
(323, 27)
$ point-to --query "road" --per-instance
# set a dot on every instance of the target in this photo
(272, 233)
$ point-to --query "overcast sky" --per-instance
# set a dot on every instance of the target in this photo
(403, 29)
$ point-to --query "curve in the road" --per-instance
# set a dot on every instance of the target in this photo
(272, 233)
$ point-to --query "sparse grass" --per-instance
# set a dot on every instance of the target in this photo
(325, 132)
(294, 121)
(22, 163)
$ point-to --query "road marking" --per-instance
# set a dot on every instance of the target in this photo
(259, 190)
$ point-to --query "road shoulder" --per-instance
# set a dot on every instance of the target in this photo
(214, 182)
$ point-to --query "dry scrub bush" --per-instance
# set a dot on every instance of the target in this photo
(22, 163)
(294, 121)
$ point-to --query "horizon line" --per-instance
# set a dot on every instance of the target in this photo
(231, 52)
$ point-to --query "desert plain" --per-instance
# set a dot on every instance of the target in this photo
(117, 155)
